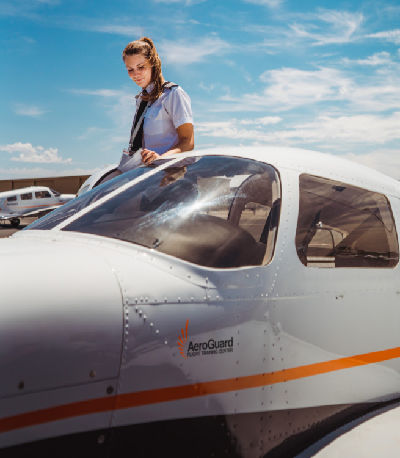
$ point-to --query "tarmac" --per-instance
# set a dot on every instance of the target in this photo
(6, 229)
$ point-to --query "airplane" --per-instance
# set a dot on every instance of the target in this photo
(30, 201)
(241, 302)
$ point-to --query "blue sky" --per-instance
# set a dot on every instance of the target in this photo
(323, 75)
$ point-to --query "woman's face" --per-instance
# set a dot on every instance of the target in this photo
(139, 69)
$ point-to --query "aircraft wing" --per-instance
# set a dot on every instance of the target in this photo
(40, 211)
(7, 216)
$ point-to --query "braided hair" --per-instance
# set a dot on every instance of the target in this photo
(145, 46)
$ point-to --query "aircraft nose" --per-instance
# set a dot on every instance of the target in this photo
(60, 316)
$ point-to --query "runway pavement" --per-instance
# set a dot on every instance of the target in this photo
(6, 229)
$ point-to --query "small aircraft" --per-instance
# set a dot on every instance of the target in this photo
(235, 303)
(31, 201)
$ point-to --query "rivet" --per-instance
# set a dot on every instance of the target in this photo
(151, 324)
(92, 373)
(110, 389)
(21, 385)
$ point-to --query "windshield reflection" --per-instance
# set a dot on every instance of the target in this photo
(75, 205)
(217, 211)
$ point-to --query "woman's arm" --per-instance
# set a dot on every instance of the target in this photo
(185, 143)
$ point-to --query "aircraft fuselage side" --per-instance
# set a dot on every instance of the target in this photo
(139, 341)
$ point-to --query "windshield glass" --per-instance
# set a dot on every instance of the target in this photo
(75, 205)
(218, 212)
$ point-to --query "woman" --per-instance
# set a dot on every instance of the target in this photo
(168, 123)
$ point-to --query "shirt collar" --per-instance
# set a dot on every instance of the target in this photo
(147, 89)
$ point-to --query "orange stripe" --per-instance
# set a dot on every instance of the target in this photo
(175, 393)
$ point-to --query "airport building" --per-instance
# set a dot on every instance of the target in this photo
(64, 185)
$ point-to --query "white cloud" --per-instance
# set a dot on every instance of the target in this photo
(28, 110)
(206, 87)
(117, 29)
(29, 153)
(23, 8)
(376, 98)
(264, 121)
(270, 3)
(337, 27)
(392, 36)
(186, 53)
(289, 88)
(379, 58)
(335, 133)
(346, 130)
(98, 92)
(295, 87)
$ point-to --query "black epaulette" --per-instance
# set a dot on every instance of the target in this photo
(168, 85)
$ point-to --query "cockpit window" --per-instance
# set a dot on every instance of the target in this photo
(42, 194)
(340, 225)
(218, 212)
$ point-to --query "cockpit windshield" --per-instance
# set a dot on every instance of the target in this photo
(217, 211)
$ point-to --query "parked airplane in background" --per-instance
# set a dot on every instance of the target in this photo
(235, 304)
(31, 201)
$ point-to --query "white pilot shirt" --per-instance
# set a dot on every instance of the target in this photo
(163, 117)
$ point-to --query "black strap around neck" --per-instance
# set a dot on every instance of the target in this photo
(137, 142)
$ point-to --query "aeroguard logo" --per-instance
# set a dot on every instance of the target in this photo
(209, 347)
(182, 339)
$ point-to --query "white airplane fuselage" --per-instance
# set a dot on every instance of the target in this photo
(112, 346)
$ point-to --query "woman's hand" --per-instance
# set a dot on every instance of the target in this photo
(148, 156)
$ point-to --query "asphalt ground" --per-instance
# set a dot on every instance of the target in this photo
(6, 229)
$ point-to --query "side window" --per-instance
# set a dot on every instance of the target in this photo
(12, 199)
(26, 196)
(42, 194)
(340, 225)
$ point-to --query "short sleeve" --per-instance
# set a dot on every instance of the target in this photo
(178, 105)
